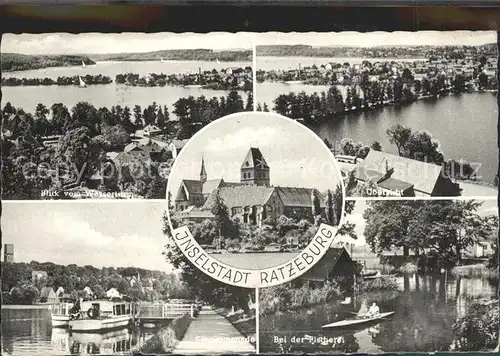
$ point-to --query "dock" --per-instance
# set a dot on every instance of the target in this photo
(162, 313)
(211, 333)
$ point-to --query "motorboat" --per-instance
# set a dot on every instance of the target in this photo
(60, 314)
(101, 315)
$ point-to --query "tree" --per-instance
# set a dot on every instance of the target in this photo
(331, 216)
(388, 225)
(84, 114)
(221, 214)
(249, 104)
(265, 108)
(376, 146)
(138, 116)
(423, 147)
(316, 204)
(399, 135)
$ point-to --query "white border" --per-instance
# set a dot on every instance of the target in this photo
(254, 281)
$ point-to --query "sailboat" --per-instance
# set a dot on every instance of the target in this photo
(161, 59)
(217, 60)
(82, 83)
(83, 64)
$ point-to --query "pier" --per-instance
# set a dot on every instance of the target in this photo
(211, 333)
(162, 313)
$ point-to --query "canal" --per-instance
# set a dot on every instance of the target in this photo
(425, 307)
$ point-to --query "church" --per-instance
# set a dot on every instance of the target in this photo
(253, 199)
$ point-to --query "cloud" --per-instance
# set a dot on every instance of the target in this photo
(245, 137)
(71, 229)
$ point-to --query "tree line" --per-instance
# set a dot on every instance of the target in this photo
(439, 232)
(15, 61)
(19, 286)
(73, 80)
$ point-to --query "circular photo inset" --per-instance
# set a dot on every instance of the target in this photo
(255, 199)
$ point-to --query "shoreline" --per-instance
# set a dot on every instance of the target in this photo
(246, 327)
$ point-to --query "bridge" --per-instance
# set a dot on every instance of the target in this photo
(158, 313)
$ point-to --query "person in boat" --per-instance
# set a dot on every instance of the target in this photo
(75, 310)
(373, 311)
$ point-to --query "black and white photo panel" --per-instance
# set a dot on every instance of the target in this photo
(406, 114)
(103, 116)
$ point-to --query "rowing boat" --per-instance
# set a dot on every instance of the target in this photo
(349, 322)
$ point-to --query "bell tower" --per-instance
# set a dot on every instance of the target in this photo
(254, 169)
(203, 172)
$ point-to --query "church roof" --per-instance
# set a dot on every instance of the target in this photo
(299, 197)
(254, 159)
(241, 195)
(422, 175)
(210, 185)
(191, 186)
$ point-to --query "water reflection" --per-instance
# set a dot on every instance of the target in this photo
(425, 309)
(29, 332)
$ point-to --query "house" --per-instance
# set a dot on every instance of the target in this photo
(113, 293)
(336, 265)
(38, 276)
(151, 130)
(252, 200)
(405, 176)
(48, 296)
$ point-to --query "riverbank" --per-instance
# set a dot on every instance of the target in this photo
(245, 324)
(475, 270)
(166, 339)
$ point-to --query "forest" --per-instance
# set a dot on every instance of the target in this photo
(451, 52)
(74, 80)
(179, 55)
(14, 61)
(19, 287)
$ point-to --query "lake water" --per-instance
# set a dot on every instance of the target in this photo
(27, 97)
(285, 63)
(465, 125)
(29, 332)
(425, 309)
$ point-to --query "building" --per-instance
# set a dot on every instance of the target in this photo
(8, 253)
(48, 296)
(252, 200)
(402, 176)
(113, 293)
(38, 276)
(336, 265)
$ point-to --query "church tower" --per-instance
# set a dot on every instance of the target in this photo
(254, 169)
(203, 173)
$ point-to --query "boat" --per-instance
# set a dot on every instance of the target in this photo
(294, 82)
(356, 322)
(161, 59)
(83, 64)
(60, 314)
(101, 315)
(347, 300)
(217, 61)
(193, 86)
(82, 83)
(371, 275)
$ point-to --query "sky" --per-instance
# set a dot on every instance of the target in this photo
(101, 43)
(489, 207)
(370, 39)
(295, 155)
(111, 233)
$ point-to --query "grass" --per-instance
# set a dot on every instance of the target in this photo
(378, 284)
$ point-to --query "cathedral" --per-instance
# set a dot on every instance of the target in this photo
(253, 199)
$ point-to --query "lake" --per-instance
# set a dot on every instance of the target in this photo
(27, 97)
(29, 332)
(425, 309)
(465, 125)
(285, 63)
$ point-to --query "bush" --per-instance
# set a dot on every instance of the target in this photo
(478, 329)
(285, 297)
(377, 284)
